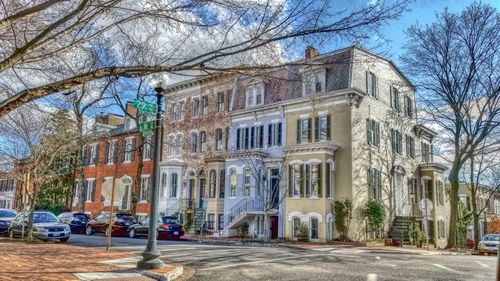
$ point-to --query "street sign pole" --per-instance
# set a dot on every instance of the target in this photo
(150, 256)
(426, 225)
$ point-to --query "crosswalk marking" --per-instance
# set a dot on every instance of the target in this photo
(445, 268)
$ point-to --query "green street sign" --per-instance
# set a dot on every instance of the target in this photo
(143, 106)
(147, 126)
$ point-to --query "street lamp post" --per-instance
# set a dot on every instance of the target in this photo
(150, 256)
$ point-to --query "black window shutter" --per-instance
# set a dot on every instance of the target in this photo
(96, 154)
(85, 189)
(328, 126)
(316, 128)
(319, 181)
(106, 156)
(302, 181)
(369, 183)
(261, 136)
(252, 137)
(279, 133)
(298, 131)
(307, 180)
(132, 153)
(368, 131)
(309, 129)
(290, 181)
(238, 139)
(377, 133)
(270, 135)
(93, 190)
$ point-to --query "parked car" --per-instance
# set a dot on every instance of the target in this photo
(167, 227)
(120, 224)
(46, 226)
(77, 221)
(6, 216)
(489, 244)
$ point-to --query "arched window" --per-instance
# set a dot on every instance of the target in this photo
(203, 141)
(218, 139)
(194, 142)
(314, 228)
(170, 146)
(313, 182)
(178, 145)
(173, 186)
(163, 185)
(233, 180)
(222, 183)
(212, 179)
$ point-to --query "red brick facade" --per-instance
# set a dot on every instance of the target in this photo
(120, 168)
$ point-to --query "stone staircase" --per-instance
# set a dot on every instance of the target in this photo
(400, 229)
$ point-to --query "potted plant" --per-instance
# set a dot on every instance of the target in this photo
(303, 233)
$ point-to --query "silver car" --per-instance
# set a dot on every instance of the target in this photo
(46, 226)
(489, 244)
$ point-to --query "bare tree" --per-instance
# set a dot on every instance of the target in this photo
(455, 63)
(482, 167)
(40, 147)
(142, 91)
(268, 187)
(40, 38)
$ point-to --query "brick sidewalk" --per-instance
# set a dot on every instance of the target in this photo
(50, 261)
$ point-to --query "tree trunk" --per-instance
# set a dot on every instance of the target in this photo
(267, 236)
(79, 163)
(140, 164)
(454, 185)
(32, 211)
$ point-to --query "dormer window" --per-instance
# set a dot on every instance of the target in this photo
(255, 95)
(314, 82)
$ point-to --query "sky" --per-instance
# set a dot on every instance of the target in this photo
(422, 12)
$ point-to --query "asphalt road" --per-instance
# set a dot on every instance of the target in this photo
(265, 263)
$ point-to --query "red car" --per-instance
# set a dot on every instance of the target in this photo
(100, 223)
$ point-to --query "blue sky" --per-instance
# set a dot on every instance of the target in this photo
(422, 12)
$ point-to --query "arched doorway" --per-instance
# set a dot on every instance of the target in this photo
(126, 183)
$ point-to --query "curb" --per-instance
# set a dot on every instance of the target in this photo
(172, 275)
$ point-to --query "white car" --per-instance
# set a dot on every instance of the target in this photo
(489, 244)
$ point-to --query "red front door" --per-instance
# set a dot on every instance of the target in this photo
(274, 227)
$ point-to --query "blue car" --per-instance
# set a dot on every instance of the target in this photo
(6, 217)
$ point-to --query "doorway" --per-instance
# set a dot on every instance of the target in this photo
(274, 227)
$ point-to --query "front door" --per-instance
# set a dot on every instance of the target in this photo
(202, 193)
(274, 227)
(398, 193)
(190, 193)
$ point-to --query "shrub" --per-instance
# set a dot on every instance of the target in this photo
(343, 216)
(374, 212)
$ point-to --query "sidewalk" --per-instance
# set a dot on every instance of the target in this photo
(55, 261)
(332, 246)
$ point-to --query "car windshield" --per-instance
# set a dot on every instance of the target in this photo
(7, 214)
(170, 221)
(127, 218)
(80, 217)
(44, 217)
(491, 237)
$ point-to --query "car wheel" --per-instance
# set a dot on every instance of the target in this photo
(131, 233)
(88, 230)
(63, 240)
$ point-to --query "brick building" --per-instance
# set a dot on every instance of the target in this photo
(112, 159)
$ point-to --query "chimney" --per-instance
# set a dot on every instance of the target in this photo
(311, 52)
(101, 118)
